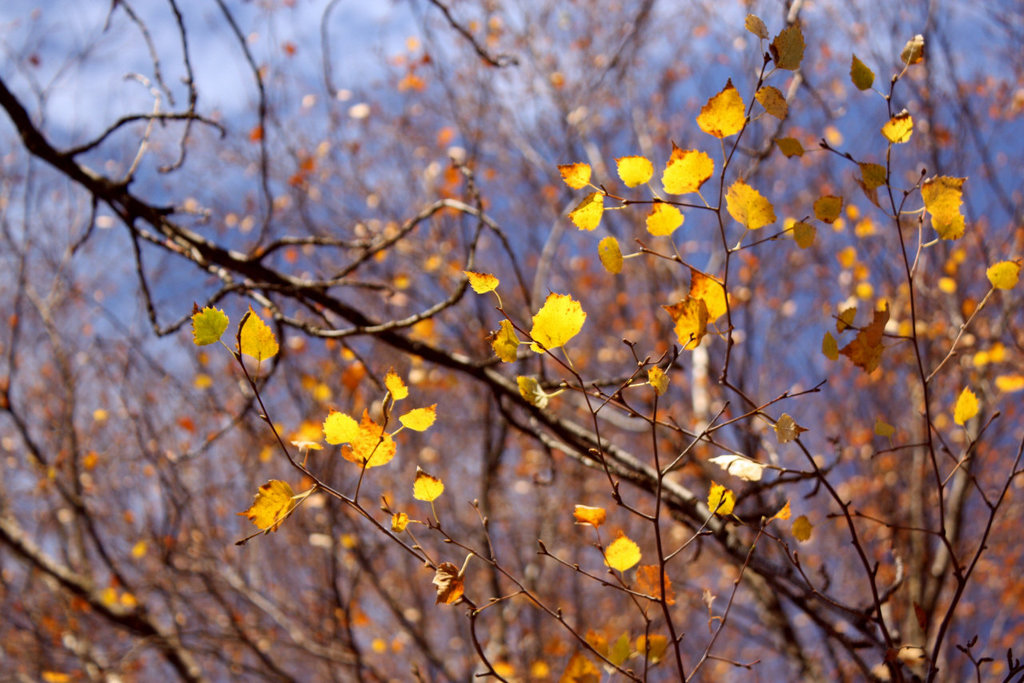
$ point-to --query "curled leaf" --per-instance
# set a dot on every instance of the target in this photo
(449, 583)
(585, 514)
(738, 466)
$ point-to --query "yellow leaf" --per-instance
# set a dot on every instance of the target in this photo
(482, 282)
(723, 115)
(340, 428)
(585, 514)
(399, 521)
(208, 325)
(899, 128)
(804, 234)
(449, 583)
(395, 386)
(1004, 275)
(587, 215)
(738, 466)
(788, 48)
(710, 291)
(883, 428)
(372, 445)
(791, 147)
(663, 219)
(580, 670)
(610, 255)
(754, 24)
(913, 51)
(634, 170)
(686, 171)
(657, 378)
(773, 101)
(827, 208)
(622, 553)
(274, 501)
(721, 500)
(845, 318)
(802, 528)
(786, 429)
(419, 419)
(691, 318)
(866, 348)
(748, 207)
(942, 199)
(784, 513)
(530, 389)
(505, 342)
(55, 677)
(654, 647)
(426, 487)
(255, 338)
(863, 77)
(648, 580)
(139, 549)
(872, 175)
(559, 320)
(1010, 383)
(575, 176)
(966, 406)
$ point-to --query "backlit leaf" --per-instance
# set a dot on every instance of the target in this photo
(691, 318)
(802, 528)
(827, 208)
(754, 24)
(419, 419)
(738, 466)
(966, 406)
(587, 215)
(580, 670)
(1004, 275)
(788, 48)
(635, 170)
(723, 115)
(686, 171)
(785, 512)
(913, 51)
(426, 487)
(506, 343)
(710, 291)
(274, 501)
(559, 320)
(208, 325)
(663, 219)
(773, 101)
(621, 554)
(610, 255)
(340, 428)
(791, 147)
(845, 318)
(863, 77)
(482, 282)
(804, 234)
(575, 176)
(866, 349)
(395, 386)
(748, 207)
(786, 429)
(449, 584)
(721, 500)
(1010, 383)
(657, 378)
(399, 521)
(654, 647)
(585, 514)
(530, 389)
(648, 580)
(943, 196)
(899, 128)
(372, 445)
(255, 338)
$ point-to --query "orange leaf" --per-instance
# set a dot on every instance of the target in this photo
(575, 176)
(866, 348)
(648, 581)
(585, 514)
(449, 583)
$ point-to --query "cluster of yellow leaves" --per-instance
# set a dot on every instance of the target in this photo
(705, 303)
(254, 338)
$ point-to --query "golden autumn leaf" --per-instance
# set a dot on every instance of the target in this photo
(829, 347)
(530, 389)
(1004, 275)
(883, 428)
(711, 292)
(372, 445)
(785, 512)
(505, 342)
(788, 48)
(738, 466)
(610, 254)
(395, 386)
(587, 214)
(575, 176)
(721, 500)
(580, 670)
(1009, 384)
(773, 101)
(691, 318)
(419, 419)
(966, 406)
(654, 647)
(340, 428)
(449, 583)
(724, 114)
(255, 338)
(559, 320)
(865, 350)
(657, 378)
(634, 170)
(899, 128)
(399, 521)
(754, 24)
(482, 282)
(208, 325)
(663, 219)
(622, 553)
(686, 171)
(861, 76)
(274, 501)
(804, 234)
(872, 175)
(786, 429)
(845, 318)
(913, 51)
(748, 207)
(827, 208)
(426, 487)
(648, 580)
(791, 147)
(943, 196)
(802, 528)
(586, 514)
